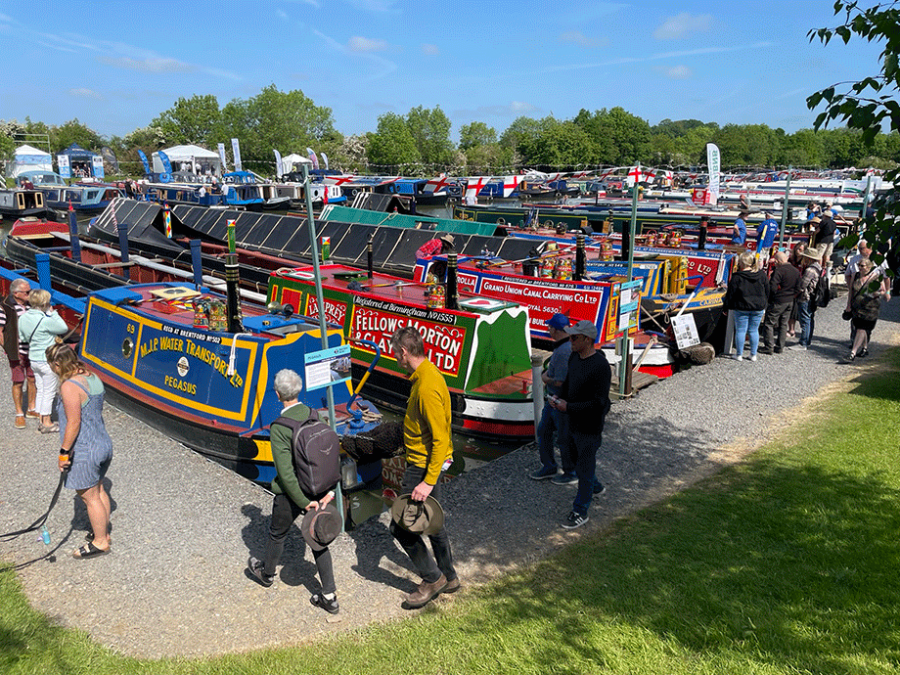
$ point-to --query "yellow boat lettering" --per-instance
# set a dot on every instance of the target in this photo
(181, 385)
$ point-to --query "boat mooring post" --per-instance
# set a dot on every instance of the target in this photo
(537, 390)
(123, 241)
(452, 287)
(74, 241)
(323, 326)
(784, 207)
(370, 263)
(197, 263)
(580, 258)
(42, 262)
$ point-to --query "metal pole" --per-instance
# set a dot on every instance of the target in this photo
(314, 248)
(323, 325)
(784, 208)
(625, 343)
(537, 390)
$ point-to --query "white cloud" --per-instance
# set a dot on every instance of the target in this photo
(84, 92)
(149, 65)
(430, 50)
(678, 72)
(361, 44)
(683, 25)
(579, 38)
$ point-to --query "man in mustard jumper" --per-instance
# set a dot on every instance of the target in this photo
(429, 451)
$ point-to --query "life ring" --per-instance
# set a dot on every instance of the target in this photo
(501, 220)
(548, 224)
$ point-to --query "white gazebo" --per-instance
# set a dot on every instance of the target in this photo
(31, 159)
(189, 158)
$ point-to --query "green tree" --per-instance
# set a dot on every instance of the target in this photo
(392, 145)
(869, 104)
(475, 134)
(562, 145)
(802, 148)
(619, 137)
(520, 135)
(191, 120)
(73, 131)
(430, 129)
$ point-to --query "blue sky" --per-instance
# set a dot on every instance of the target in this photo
(116, 65)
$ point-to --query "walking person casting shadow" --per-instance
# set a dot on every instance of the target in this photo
(311, 496)
(85, 446)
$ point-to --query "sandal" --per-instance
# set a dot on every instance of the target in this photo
(88, 551)
(49, 428)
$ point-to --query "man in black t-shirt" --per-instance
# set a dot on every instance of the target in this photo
(584, 399)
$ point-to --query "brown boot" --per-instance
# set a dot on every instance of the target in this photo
(425, 593)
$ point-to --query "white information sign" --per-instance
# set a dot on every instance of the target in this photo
(328, 366)
(685, 329)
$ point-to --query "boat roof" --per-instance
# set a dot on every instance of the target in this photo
(43, 178)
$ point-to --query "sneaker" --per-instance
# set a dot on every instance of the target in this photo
(599, 488)
(778, 350)
(753, 357)
(255, 568)
(738, 357)
(574, 519)
(797, 347)
(331, 606)
(863, 353)
(20, 422)
(48, 428)
(452, 586)
(543, 473)
(426, 592)
(564, 479)
(766, 350)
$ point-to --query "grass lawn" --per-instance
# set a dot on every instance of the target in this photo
(787, 563)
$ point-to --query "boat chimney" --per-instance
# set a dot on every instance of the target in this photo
(197, 263)
(74, 241)
(123, 241)
(232, 303)
(370, 265)
(452, 290)
(701, 238)
(627, 244)
(579, 258)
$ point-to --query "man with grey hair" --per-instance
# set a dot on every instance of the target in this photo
(290, 500)
(11, 308)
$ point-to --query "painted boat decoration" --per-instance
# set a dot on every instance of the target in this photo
(483, 348)
(596, 301)
(209, 389)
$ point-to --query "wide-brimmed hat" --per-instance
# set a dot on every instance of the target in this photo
(418, 517)
(321, 526)
(815, 220)
(812, 253)
(448, 238)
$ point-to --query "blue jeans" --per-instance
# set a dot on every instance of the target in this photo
(747, 321)
(582, 451)
(807, 321)
(552, 420)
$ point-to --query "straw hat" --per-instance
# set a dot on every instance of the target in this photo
(812, 253)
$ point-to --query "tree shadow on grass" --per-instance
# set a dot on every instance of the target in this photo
(794, 567)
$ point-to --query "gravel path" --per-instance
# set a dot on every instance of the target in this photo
(184, 527)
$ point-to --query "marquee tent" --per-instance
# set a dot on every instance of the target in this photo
(294, 159)
(30, 159)
(79, 158)
(187, 157)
